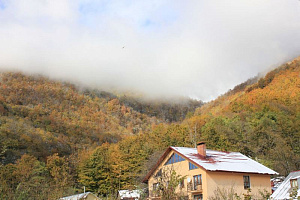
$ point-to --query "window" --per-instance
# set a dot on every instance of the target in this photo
(174, 158)
(197, 182)
(294, 183)
(246, 182)
(198, 197)
(192, 166)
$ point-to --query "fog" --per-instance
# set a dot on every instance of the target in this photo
(194, 48)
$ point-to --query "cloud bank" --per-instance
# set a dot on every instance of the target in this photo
(193, 48)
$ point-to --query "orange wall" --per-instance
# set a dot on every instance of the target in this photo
(222, 180)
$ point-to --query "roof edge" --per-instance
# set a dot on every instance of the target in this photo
(243, 172)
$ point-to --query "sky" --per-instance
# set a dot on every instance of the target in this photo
(199, 49)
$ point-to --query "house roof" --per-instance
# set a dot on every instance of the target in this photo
(224, 161)
(130, 193)
(81, 196)
(217, 161)
(283, 191)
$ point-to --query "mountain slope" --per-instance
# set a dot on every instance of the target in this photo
(43, 117)
(58, 118)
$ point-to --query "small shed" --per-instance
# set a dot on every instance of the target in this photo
(129, 194)
(82, 196)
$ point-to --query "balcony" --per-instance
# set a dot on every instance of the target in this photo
(194, 188)
(197, 189)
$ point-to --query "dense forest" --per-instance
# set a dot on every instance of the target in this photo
(55, 138)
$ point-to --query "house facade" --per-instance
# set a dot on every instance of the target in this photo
(204, 172)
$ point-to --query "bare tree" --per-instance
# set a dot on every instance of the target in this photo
(167, 183)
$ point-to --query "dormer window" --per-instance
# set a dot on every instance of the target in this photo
(174, 159)
(294, 183)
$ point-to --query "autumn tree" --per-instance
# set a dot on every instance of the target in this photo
(61, 182)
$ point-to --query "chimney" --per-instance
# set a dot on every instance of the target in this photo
(201, 148)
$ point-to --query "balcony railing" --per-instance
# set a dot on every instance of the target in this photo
(194, 188)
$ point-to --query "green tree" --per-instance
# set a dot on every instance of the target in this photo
(95, 173)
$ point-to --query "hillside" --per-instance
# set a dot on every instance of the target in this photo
(58, 118)
(42, 117)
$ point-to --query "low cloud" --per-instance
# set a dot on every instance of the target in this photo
(193, 48)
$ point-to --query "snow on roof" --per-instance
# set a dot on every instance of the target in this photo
(129, 193)
(223, 161)
(283, 191)
(78, 196)
(296, 177)
(275, 182)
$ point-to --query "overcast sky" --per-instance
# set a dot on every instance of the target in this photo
(196, 48)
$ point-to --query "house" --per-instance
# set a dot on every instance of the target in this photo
(82, 196)
(289, 188)
(129, 194)
(206, 171)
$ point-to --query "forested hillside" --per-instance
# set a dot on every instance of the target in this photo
(56, 139)
(42, 117)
